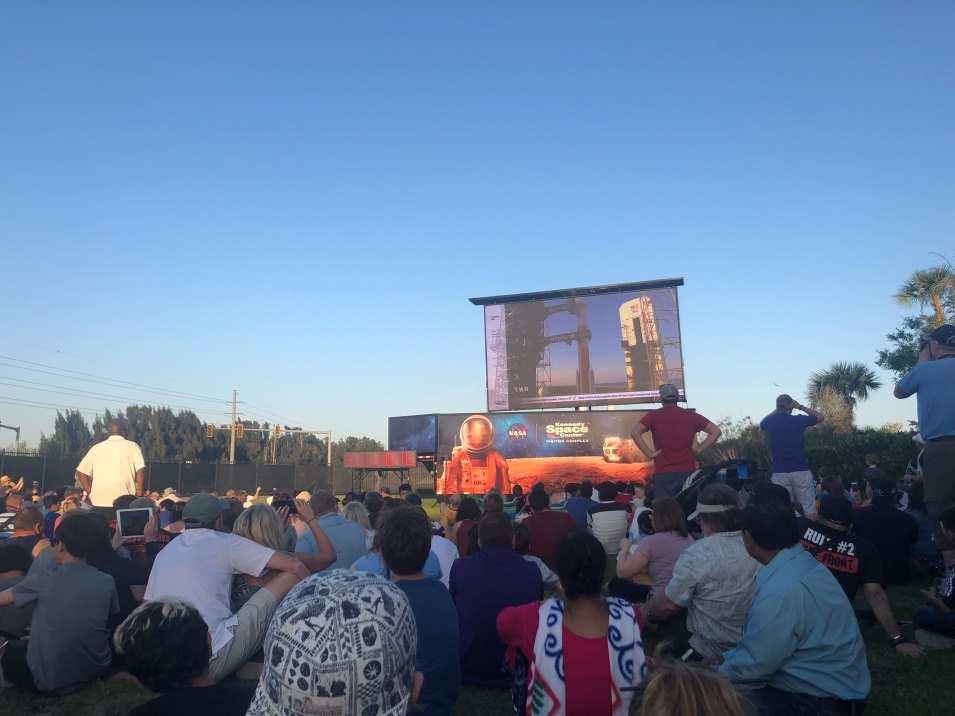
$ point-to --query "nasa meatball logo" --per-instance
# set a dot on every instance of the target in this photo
(517, 432)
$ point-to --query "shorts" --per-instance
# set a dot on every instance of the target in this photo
(800, 487)
(247, 635)
(938, 476)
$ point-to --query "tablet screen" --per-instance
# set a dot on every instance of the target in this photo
(132, 523)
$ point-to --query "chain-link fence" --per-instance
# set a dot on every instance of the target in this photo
(186, 478)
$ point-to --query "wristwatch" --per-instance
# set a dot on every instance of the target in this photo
(898, 639)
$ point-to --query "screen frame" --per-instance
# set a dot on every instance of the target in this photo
(584, 291)
(119, 520)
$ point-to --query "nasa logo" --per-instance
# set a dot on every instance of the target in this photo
(517, 432)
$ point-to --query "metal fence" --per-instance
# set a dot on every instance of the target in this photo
(186, 478)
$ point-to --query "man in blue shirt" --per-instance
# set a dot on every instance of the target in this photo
(348, 538)
(405, 538)
(579, 501)
(801, 648)
(787, 443)
(932, 380)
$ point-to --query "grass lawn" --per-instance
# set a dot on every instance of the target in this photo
(900, 686)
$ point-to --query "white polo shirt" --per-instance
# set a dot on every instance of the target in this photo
(112, 464)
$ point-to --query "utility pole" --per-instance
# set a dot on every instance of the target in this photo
(232, 430)
(328, 457)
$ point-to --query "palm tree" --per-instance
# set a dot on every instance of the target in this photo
(932, 286)
(850, 381)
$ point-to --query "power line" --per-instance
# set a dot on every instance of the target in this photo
(79, 392)
(284, 418)
(13, 400)
(115, 382)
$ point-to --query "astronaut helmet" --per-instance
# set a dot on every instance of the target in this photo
(477, 434)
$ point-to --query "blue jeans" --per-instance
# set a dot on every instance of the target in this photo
(668, 484)
(933, 619)
(768, 701)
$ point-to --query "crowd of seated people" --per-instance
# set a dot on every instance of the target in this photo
(758, 607)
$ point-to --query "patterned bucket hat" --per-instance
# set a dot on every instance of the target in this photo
(340, 643)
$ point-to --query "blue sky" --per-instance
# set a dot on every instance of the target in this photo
(297, 200)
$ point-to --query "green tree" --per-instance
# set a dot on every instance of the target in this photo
(933, 287)
(71, 437)
(903, 352)
(852, 382)
(353, 444)
(835, 409)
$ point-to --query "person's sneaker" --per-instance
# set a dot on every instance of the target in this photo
(931, 640)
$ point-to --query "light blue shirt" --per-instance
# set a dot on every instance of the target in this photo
(348, 539)
(934, 384)
(801, 634)
(373, 563)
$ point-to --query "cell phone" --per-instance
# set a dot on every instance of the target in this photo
(132, 522)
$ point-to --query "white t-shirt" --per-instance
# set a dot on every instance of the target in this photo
(446, 552)
(113, 465)
(198, 566)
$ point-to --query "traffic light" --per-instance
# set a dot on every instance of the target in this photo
(239, 431)
(210, 430)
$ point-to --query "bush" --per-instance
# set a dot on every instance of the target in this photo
(830, 451)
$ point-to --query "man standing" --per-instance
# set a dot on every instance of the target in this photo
(112, 468)
(801, 650)
(932, 380)
(787, 443)
(674, 432)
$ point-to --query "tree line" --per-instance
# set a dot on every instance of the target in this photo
(836, 390)
(168, 436)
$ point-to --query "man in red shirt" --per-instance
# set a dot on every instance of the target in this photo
(674, 432)
(546, 527)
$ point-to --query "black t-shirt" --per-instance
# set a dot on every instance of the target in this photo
(228, 699)
(852, 559)
(25, 543)
(893, 533)
(126, 573)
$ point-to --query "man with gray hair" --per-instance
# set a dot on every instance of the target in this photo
(714, 579)
(112, 468)
(347, 537)
(932, 381)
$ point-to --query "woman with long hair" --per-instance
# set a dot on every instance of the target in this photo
(356, 512)
(266, 526)
(468, 515)
(584, 653)
(656, 553)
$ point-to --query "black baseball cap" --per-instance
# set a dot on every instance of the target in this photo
(835, 509)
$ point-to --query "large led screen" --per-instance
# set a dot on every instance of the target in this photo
(585, 347)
